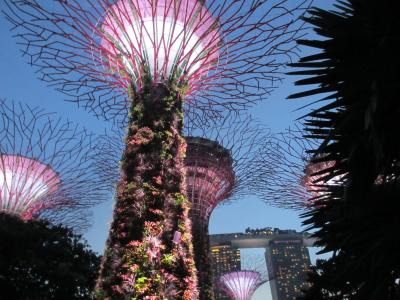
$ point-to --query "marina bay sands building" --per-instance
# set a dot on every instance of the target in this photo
(224, 259)
(286, 255)
(288, 262)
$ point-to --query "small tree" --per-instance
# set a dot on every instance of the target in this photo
(43, 261)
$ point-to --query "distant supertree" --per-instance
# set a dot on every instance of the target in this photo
(145, 59)
(241, 285)
(46, 167)
(296, 180)
(221, 163)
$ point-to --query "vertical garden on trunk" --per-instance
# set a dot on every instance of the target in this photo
(150, 229)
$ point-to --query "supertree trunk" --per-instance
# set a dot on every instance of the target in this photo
(201, 245)
(149, 252)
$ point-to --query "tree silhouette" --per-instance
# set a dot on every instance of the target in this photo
(356, 125)
(43, 261)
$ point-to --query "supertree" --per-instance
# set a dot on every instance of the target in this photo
(220, 165)
(46, 167)
(297, 178)
(143, 59)
(241, 285)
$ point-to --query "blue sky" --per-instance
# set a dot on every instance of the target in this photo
(18, 82)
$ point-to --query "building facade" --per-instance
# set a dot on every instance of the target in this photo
(286, 255)
(224, 259)
(288, 262)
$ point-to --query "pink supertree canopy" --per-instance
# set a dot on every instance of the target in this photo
(296, 179)
(171, 38)
(46, 167)
(218, 54)
(210, 177)
(314, 174)
(240, 285)
(25, 186)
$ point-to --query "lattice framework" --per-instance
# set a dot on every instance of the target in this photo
(46, 167)
(224, 54)
(297, 177)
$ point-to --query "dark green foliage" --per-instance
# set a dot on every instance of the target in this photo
(41, 261)
(328, 285)
(365, 240)
(357, 75)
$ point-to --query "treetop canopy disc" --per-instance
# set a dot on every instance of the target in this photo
(241, 285)
(25, 185)
(165, 39)
(47, 167)
(210, 175)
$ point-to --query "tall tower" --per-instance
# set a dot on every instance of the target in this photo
(288, 262)
(221, 162)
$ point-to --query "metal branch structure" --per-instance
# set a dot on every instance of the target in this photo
(287, 155)
(241, 285)
(223, 54)
(296, 180)
(143, 61)
(46, 167)
(220, 164)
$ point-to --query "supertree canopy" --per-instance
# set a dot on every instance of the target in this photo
(210, 177)
(143, 60)
(25, 185)
(220, 164)
(315, 173)
(46, 167)
(175, 40)
(224, 53)
(296, 180)
(241, 285)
